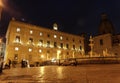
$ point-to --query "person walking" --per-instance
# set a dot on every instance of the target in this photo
(1, 65)
(9, 63)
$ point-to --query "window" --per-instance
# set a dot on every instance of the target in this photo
(55, 36)
(16, 48)
(30, 49)
(55, 44)
(74, 47)
(101, 42)
(67, 46)
(31, 31)
(30, 40)
(15, 56)
(48, 43)
(41, 33)
(17, 39)
(18, 29)
(48, 35)
(61, 45)
(40, 42)
(40, 50)
(61, 38)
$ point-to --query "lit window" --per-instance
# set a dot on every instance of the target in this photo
(41, 33)
(30, 40)
(31, 32)
(30, 49)
(15, 56)
(48, 43)
(16, 48)
(18, 30)
(17, 39)
(40, 50)
(55, 36)
(61, 38)
(40, 42)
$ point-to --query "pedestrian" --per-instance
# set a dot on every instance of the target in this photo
(13, 64)
(9, 63)
(1, 65)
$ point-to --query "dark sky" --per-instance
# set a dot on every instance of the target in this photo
(72, 16)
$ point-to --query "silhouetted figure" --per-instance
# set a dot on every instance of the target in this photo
(23, 63)
(1, 65)
(9, 63)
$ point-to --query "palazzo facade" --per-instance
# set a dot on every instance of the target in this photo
(36, 44)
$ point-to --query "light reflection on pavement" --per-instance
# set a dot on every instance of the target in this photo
(107, 73)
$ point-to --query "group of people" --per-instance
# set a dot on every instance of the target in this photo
(24, 63)
(10, 63)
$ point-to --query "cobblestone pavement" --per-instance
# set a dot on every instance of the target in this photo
(106, 73)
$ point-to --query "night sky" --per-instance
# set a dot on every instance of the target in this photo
(72, 16)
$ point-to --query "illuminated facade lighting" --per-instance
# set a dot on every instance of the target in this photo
(30, 49)
(61, 38)
(18, 29)
(16, 48)
(41, 33)
(36, 47)
(55, 36)
(40, 50)
(31, 31)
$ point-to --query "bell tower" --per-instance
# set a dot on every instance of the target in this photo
(106, 25)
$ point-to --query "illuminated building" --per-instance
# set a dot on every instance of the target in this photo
(107, 44)
(35, 43)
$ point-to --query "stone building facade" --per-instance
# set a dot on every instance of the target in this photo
(36, 44)
(106, 43)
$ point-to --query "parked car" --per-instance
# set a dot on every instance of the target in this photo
(69, 62)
